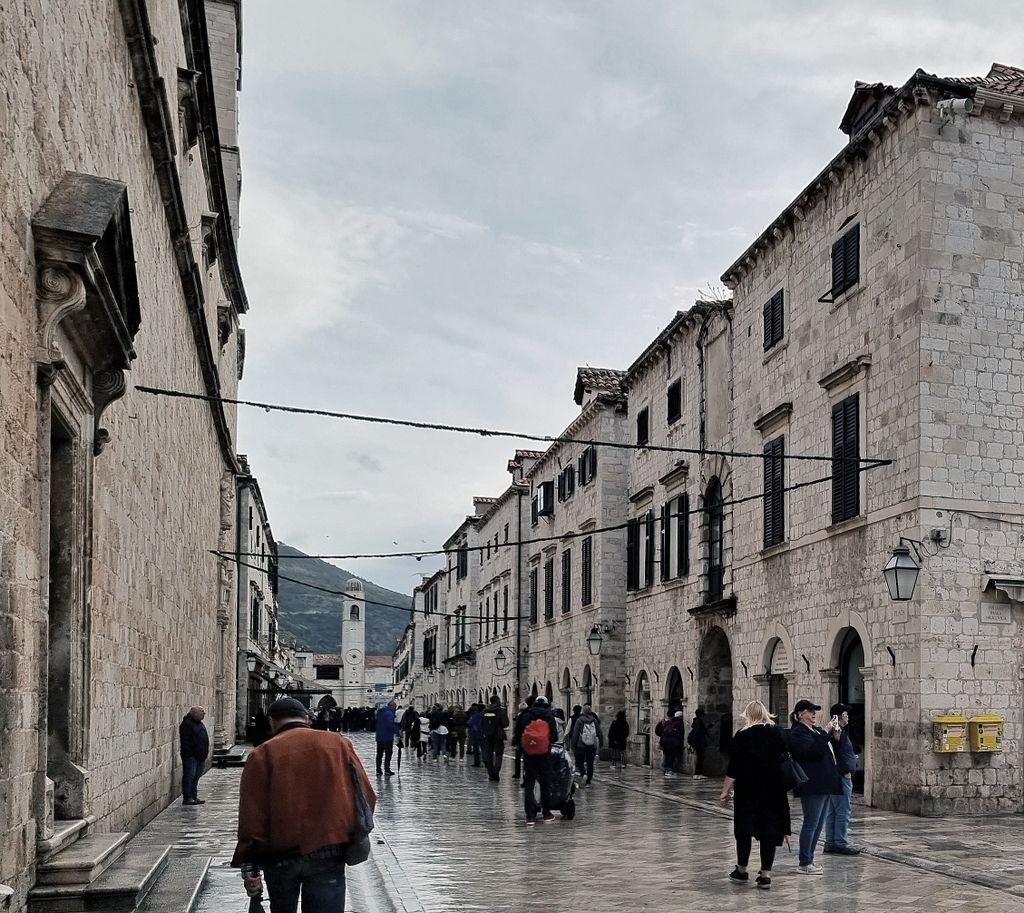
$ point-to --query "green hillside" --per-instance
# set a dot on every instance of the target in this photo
(312, 619)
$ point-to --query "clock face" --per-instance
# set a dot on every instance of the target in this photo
(353, 657)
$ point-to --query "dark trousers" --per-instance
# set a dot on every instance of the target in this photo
(743, 847)
(517, 767)
(321, 881)
(537, 770)
(493, 752)
(191, 771)
(384, 751)
(474, 748)
(698, 767)
(585, 755)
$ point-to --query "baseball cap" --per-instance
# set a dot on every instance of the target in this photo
(678, 713)
(286, 706)
(540, 701)
(839, 709)
(805, 704)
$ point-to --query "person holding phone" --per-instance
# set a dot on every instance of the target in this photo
(815, 749)
(838, 809)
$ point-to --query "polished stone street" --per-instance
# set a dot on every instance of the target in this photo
(450, 840)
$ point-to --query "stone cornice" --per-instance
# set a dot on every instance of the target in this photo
(160, 131)
(845, 372)
(641, 495)
(773, 419)
(678, 473)
(913, 93)
(594, 407)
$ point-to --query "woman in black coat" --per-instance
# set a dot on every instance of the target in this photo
(814, 749)
(760, 804)
(618, 736)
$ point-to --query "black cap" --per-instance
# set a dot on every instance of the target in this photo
(805, 704)
(540, 701)
(286, 706)
(839, 709)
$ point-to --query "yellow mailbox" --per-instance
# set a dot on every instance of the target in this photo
(949, 733)
(986, 732)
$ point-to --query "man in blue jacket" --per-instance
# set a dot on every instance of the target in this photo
(837, 811)
(387, 732)
(194, 745)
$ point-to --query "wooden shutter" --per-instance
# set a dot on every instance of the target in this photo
(838, 267)
(778, 327)
(561, 486)
(533, 596)
(666, 541)
(774, 495)
(549, 588)
(649, 548)
(845, 452)
(591, 463)
(582, 468)
(586, 550)
(632, 554)
(852, 256)
(566, 581)
(682, 535)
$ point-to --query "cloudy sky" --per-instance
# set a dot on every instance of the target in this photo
(448, 206)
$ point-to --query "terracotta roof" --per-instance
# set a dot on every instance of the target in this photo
(327, 659)
(1001, 78)
(480, 499)
(528, 454)
(378, 662)
(604, 380)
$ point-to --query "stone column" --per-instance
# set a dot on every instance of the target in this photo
(869, 731)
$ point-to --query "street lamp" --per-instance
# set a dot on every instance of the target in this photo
(250, 663)
(595, 639)
(901, 574)
(500, 659)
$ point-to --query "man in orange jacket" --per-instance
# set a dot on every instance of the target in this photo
(295, 834)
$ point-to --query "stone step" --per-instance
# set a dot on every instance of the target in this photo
(82, 861)
(234, 758)
(177, 887)
(120, 889)
(64, 834)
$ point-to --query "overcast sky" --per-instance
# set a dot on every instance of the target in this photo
(449, 206)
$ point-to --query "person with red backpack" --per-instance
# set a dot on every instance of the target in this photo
(536, 731)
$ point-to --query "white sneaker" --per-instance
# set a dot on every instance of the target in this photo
(810, 869)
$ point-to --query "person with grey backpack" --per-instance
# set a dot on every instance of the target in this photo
(586, 737)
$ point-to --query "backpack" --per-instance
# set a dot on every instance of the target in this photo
(490, 725)
(693, 740)
(672, 732)
(537, 737)
(588, 734)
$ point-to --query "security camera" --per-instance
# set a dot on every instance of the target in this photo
(950, 106)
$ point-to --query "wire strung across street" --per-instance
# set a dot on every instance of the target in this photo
(563, 537)
(869, 462)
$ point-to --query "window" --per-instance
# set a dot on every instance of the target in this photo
(674, 398)
(494, 622)
(566, 483)
(774, 494)
(643, 427)
(506, 532)
(462, 562)
(716, 541)
(250, 519)
(587, 465)
(846, 459)
(566, 581)
(254, 619)
(534, 510)
(682, 535)
(487, 550)
(633, 554)
(586, 571)
(549, 588)
(504, 611)
(328, 673)
(533, 596)
(846, 262)
(774, 327)
(666, 541)
(545, 499)
(485, 618)
(649, 548)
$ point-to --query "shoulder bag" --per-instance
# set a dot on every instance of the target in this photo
(358, 848)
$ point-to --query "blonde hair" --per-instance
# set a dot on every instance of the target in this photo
(756, 714)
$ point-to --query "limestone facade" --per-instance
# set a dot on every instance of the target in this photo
(117, 268)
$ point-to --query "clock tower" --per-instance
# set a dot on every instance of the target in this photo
(353, 645)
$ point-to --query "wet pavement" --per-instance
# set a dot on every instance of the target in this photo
(450, 840)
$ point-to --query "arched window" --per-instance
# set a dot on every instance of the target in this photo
(716, 540)
(353, 613)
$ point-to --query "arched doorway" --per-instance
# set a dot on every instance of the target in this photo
(504, 695)
(534, 690)
(714, 694)
(778, 687)
(587, 688)
(714, 519)
(643, 716)
(674, 690)
(851, 693)
(566, 690)
(549, 693)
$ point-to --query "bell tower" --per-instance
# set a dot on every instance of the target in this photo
(353, 645)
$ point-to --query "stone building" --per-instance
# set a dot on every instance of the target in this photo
(575, 567)
(260, 654)
(427, 629)
(117, 269)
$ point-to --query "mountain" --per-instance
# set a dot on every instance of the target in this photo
(312, 619)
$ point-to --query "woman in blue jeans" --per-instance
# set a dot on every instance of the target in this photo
(815, 750)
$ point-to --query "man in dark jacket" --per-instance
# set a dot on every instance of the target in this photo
(194, 744)
(387, 730)
(537, 764)
(837, 811)
(493, 723)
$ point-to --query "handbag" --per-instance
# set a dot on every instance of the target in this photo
(792, 773)
(357, 850)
